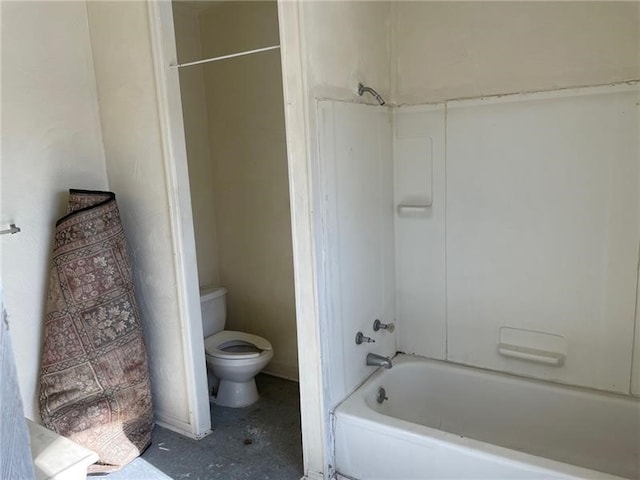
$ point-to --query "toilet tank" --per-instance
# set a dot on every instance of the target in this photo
(213, 303)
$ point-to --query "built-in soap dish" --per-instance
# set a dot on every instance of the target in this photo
(533, 346)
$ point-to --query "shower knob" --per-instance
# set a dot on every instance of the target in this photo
(360, 338)
(378, 325)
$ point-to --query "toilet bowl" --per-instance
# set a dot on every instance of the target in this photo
(233, 358)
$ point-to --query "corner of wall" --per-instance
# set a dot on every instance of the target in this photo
(94, 91)
(393, 52)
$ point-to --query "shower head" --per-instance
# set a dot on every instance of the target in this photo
(376, 95)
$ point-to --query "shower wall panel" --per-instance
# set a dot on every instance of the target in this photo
(543, 233)
(357, 202)
(517, 241)
(419, 196)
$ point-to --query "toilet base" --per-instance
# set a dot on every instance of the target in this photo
(236, 394)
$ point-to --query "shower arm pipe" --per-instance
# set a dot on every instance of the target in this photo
(225, 57)
(362, 89)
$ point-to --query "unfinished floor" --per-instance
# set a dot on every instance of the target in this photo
(262, 441)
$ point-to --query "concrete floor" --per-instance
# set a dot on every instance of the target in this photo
(262, 441)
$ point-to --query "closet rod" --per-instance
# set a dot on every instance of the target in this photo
(224, 57)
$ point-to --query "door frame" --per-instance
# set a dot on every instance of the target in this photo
(304, 244)
(163, 46)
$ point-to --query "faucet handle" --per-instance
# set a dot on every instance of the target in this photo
(360, 338)
(378, 325)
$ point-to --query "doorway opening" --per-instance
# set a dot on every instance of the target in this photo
(232, 103)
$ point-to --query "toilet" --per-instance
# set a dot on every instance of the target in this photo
(233, 358)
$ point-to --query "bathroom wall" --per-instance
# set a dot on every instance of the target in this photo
(554, 267)
(420, 229)
(51, 141)
(492, 48)
(524, 248)
(356, 51)
(196, 129)
(445, 50)
(245, 109)
(125, 77)
(560, 255)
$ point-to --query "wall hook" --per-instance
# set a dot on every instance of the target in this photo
(12, 229)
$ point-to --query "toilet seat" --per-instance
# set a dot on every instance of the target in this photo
(214, 345)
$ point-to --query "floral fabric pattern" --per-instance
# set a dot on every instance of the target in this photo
(94, 377)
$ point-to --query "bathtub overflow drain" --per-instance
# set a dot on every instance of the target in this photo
(382, 395)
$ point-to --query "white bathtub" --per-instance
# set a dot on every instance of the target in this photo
(447, 421)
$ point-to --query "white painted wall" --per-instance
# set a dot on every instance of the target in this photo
(249, 188)
(357, 214)
(120, 39)
(196, 130)
(51, 141)
(445, 50)
(315, 426)
(346, 42)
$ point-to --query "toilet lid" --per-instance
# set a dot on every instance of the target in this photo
(229, 344)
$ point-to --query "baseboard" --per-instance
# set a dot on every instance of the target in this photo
(313, 476)
(178, 426)
(342, 477)
(282, 370)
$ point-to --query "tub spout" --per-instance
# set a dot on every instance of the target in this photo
(374, 360)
